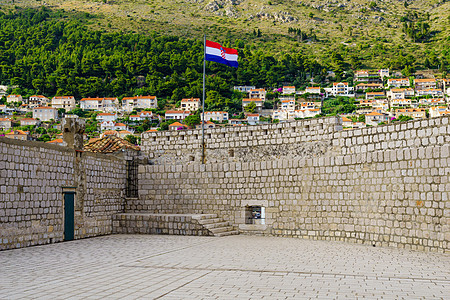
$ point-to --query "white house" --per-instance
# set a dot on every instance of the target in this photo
(101, 117)
(66, 102)
(14, 98)
(29, 122)
(400, 93)
(191, 104)
(258, 102)
(176, 114)
(432, 101)
(374, 118)
(38, 100)
(288, 105)
(424, 84)
(135, 118)
(438, 111)
(313, 90)
(374, 95)
(107, 125)
(45, 113)
(253, 119)
(430, 92)
(5, 123)
(401, 102)
(341, 89)
(146, 115)
(281, 115)
(141, 102)
(244, 88)
(219, 116)
(309, 105)
(101, 104)
(398, 82)
(287, 90)
(257, 94)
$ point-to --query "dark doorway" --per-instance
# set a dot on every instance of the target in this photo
(69, 212)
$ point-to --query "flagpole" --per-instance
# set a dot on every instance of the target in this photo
(203, 104)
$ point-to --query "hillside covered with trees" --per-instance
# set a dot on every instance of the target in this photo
(42, 54)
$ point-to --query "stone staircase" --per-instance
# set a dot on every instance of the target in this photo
(215, 225)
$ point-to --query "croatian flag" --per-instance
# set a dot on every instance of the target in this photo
(215, 52)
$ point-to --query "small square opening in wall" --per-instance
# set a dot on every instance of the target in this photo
(255, 214)
(231, 152)
(191, 158)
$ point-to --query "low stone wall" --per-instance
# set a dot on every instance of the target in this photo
(304, 138)
(383, 186)
(144, 223)
(32, 178)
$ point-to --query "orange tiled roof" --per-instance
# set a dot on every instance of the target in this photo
(55, 141)
(374, 113)
(425, 80)
(109, 144)
(190, 100)
(177, 112)
(17, 132)
(176, 124)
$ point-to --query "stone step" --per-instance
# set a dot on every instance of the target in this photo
(226, 233)
(221, 229)
(216, 225)
(210, 221)
(204, 216)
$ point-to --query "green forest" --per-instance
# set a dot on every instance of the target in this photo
(43, 54)
(55, 53)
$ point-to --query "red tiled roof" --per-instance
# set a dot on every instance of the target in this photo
(109, 144)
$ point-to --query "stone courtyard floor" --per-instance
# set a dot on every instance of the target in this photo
(243, 267)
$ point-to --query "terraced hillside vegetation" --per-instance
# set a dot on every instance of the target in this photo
(339, 33)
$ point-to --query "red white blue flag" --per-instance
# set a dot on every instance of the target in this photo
(215, 52)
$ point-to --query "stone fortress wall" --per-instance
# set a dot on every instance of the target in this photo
(385, 186)
(33, 176)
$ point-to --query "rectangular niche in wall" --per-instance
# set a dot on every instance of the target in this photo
(255, 214)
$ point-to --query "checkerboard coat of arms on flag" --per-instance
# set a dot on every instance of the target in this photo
(215, 52)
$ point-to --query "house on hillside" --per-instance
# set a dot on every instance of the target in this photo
(257, 94)
(191, 104)
(139, 102)
(101, 117)
(436, 93)
(14, 98)
(341, 89)
(374, 118)
(415, 113)
(38, 100)
(178, 126)
(400, 93)
(219, 116)
(362, 87)
(401, 103)
(176, 114)
(424, 84)
(252, 119)
(288, 90)
(65, 102)
(45, 113)
(374, 95)
(398, 82)
(18, 135)
(258, 103)
(100, 104)
(29, 122)
(244, 88)
(5, 123)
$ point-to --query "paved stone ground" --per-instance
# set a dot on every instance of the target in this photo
(245, 267)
